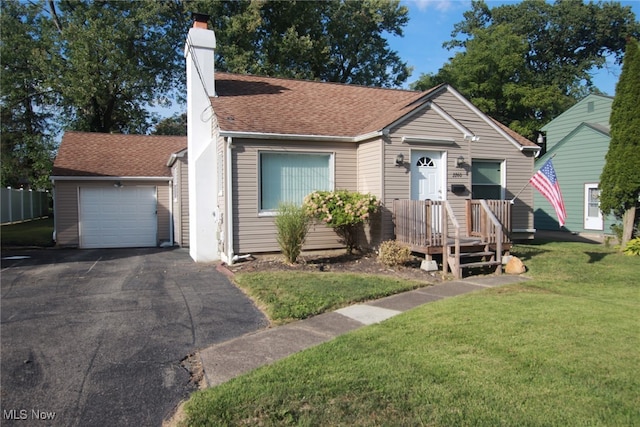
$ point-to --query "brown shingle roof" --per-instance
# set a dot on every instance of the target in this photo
(102, 154)
(515, 135)
(247, 103)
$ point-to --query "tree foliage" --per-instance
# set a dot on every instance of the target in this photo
(620, 179)
(26, 128)
(112, 60)
(101, 66)
(174, 125)
(526, 63)
(337, 40)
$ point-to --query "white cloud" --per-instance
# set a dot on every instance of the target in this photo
(440, 5)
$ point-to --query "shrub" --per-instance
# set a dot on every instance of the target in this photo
(633, 247)
(292, 224)
(343, 210)
(393, 253)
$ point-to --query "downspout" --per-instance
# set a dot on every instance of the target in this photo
(229, 199)
(171, 213)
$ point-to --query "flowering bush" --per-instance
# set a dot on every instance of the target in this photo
(343, 210)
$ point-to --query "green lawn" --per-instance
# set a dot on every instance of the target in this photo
(560, 349)
(38, 232)
(288, 296)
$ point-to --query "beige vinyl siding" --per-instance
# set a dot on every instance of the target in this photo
(255, 232)
(370, 167)
(66, 208)
(370, 178)
(66, 213)
(429, 124)
(181, 202)
(163, 195)
(492, 146)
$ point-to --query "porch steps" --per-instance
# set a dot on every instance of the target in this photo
(468, 258)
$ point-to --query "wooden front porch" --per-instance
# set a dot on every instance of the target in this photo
(431, 227)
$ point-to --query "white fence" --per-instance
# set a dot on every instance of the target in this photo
(22, 205)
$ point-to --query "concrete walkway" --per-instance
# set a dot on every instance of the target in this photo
(230, 359)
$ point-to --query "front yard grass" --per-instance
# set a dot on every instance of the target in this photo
(289, 296)
(560, 349)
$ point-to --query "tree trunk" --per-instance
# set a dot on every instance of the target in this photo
(627, 226)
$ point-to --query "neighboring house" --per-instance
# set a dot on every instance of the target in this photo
(578, 141)
(113, 190)
(255, 141)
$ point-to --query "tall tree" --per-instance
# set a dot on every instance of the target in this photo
(620, 180)
(111, 60)
(557, 47)
(337, 40)
(26, 120)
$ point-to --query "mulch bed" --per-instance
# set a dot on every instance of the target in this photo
(338, 262)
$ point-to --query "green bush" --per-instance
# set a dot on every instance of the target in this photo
(343, 210)
(633, 247)
(394, 253)
(292, 225)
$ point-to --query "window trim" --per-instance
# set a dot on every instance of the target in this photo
(273, 212)
(503, 175)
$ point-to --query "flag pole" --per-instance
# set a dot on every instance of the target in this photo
(528, 182)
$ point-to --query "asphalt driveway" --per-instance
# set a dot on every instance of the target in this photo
(96, 337)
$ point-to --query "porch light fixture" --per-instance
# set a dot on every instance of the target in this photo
(460, 161)
(399, 159)
(118, 184)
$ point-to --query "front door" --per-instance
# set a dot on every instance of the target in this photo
(426, 175)
(593, 219)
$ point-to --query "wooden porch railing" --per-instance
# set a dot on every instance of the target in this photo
(425, 224)
(419, 223)
(489, 219)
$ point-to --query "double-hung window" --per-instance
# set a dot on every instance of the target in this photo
(287, 177)
(486, 180)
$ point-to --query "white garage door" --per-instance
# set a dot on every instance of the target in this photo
(118, 217)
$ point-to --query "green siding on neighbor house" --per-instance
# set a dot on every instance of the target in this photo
(568, 121)
(578, 142)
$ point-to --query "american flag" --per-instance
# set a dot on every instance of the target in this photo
(546, 182)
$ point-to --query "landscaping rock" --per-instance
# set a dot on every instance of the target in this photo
(515, 266)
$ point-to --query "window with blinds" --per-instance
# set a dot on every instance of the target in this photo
(289, 177)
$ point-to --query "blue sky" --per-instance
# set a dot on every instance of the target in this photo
(431, 22)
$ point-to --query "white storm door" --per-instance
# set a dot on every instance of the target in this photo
(593, 219)
(426, 175)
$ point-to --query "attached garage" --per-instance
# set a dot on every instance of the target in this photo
(118, 217)
(114, 191)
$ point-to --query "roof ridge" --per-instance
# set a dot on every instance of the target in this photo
(127, 135)
(319, 82)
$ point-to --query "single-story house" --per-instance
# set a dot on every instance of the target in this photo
(578, 141)
(114, 190)
(254, 141)
(432, 159)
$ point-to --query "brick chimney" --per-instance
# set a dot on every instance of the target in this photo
(204, 214)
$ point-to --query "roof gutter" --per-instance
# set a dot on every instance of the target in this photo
(298, 137)
(174, 156)
(110, 178)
